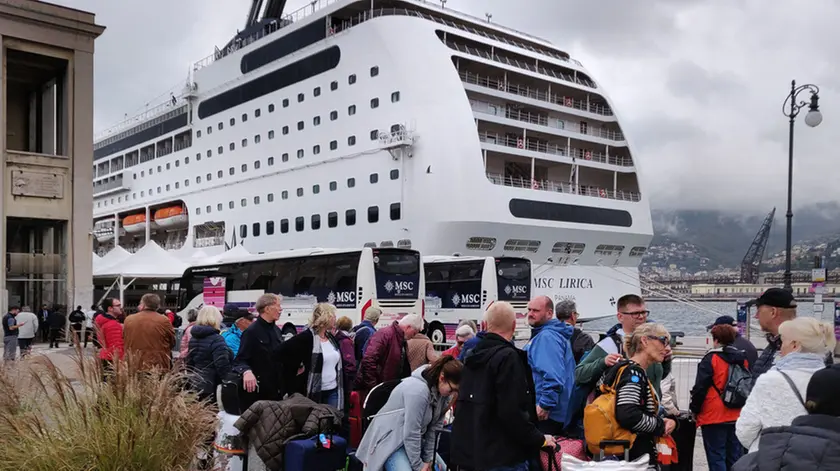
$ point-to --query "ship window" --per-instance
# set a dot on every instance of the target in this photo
(256, 165)
(269, 228)
(257, 113)
(316, 121)
(395, 173)
(209, 177)
(333, 186)
(243, 231)
(167, 189)
(395, 97)
(230, 204)
(221, 125)
(285, 130)
(300, 97)
(352, 79)
(177, 164)
(219, 207)
(373, 214)
(638, 251)
(404, 243)
(209, 129)
(351, 110)
(271, 108)
(521, 245)
(284, 195)
(284, 226)
(255, 229)
(481, 243)
(244, 142)
(374, 177)
(285, 157)
(186, 183)
(244, 117)
(220, 174)
(208, 209)
(351, 141)
(351, 182)
(177, 185)
(142, 194)
(395, 128)
(270, 197)
(350, 217)
(271, 134)
(568, 248)
(232, 171)
(316, 222)
(232, 146)
(316, 189)
(334, 85)
(300, 153)
(197, 210)
(395, 211)
(333, 145)
(232, 121)
(198, 133)
(187, 160)
(244, 168)
(167, 166)
(300, 192)
(333, 115)
(220, 150)
(256, 200)
(300, 125)
(374, 71)
(270, 161)
(609, 250)
(374, 135)
(374, 103)
(316, 91)
(285, 102)
(316, 149)
(243, 202)
(299, 223)
(209, 153)
(332, 219)
(257, 139)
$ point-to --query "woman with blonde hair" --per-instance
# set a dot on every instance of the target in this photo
(208, 359)
(776, 397)
(312, 360)
(636, 403)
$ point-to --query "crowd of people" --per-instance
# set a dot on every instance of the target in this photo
(505, 405)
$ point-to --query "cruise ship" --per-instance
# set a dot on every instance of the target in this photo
(384, 123)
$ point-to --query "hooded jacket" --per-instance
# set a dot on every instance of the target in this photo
(497, 417)
(110, 333)
(208, 360)
(811, 442)
(553, 367)
(712, 374)
(470, 344)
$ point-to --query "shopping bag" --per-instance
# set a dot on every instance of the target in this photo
(570, 463)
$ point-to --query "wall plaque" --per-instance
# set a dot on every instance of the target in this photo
(36, 184)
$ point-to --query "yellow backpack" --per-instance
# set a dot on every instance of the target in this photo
(600, 424)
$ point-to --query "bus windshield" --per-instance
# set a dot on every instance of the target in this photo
(397, 273)
(514, 279)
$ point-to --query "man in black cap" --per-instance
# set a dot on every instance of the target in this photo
(740, 342)
(773, 307)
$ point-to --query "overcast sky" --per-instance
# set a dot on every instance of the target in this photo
(698, 84)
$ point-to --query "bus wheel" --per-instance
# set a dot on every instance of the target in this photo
(288, 331)
(437, 333)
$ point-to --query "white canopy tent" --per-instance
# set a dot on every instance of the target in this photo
(111, 259)
(232, 254)
(150, 262)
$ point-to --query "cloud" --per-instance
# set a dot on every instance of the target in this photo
(698, 85)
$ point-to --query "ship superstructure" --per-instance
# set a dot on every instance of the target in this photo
(385, 123)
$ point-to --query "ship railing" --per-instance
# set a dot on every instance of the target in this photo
(154, 115)
(533, 93)
(201, 242)
(563, 187)
(554, 149)
(545, 120)
(485, 54)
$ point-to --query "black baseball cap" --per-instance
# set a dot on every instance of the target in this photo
(774, 297)
(722, 320)
(821, 395)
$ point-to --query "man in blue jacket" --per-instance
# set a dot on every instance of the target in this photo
(552, 363)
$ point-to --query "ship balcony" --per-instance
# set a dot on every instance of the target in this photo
(112, 184)
(553, 149)
(562, 187)
(582, 128)
(534, 93)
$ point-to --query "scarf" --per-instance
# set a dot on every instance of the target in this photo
(800, 361)
(313, 384)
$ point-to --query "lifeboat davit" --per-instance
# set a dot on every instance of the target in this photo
(104, 230)
(134, 223)
(172, 217)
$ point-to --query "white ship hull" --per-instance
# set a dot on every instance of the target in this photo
(445, 186)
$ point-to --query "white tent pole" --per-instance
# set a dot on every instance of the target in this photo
(122, 290)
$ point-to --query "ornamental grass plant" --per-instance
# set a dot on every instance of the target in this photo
(54, 421)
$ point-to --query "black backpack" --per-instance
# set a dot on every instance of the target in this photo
(376, 400)
(739, 383)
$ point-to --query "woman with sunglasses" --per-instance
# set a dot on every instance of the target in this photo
(637, 404)
(402, 435)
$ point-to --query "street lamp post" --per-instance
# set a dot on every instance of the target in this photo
(790, 108)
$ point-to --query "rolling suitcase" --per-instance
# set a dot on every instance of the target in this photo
(309, 455)
(355, 419)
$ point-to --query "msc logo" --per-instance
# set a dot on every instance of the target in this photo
(341, 297)
(458, 299)
(399, 286)
(516, 289)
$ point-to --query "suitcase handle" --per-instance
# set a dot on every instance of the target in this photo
(606, 443)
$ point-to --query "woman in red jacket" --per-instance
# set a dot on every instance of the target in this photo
(110, 333)
(716, 420)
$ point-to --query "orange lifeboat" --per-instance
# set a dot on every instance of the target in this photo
(134, 223)
(171, 217)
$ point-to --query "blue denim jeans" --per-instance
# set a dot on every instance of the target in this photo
(722, 446)
(330, 397)
(398, 461)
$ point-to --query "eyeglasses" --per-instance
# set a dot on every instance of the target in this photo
(662, 338)
(637, 314)
(452, 387)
